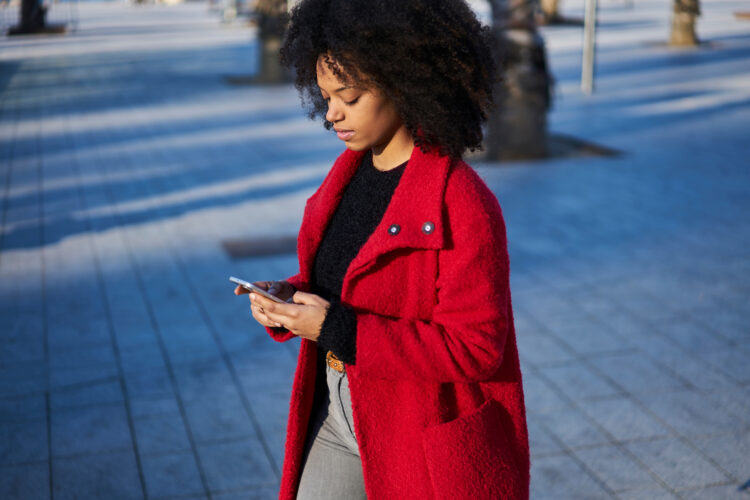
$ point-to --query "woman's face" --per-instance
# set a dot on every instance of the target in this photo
(362, 117)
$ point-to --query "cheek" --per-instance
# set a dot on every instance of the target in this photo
(382, 119)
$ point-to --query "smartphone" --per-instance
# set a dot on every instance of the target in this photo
(250, 287)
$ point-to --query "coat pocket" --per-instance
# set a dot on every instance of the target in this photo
(471, 457)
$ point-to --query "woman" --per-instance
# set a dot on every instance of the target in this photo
(408, 383)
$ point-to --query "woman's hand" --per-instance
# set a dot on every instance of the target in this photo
(281, 289)
(304, 317)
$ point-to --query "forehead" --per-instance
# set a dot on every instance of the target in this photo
(326, 73)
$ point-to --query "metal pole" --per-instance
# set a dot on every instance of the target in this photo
(589, 46)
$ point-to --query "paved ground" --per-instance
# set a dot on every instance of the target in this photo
(129, 370)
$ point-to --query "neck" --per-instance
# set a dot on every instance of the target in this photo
(395, 152)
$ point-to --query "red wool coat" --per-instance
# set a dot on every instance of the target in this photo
(436, 388)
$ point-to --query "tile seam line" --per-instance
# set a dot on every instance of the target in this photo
(217, 339)
(155, 325)
(586, 358)
(108, 314)
(635, 400)
(605, 432)
(44, 306)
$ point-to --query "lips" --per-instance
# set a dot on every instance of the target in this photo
(343, 134)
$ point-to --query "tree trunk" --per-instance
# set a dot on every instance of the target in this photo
(550, 10)
(32, 19)
(684, 13)
(273, 18)
(517, 128)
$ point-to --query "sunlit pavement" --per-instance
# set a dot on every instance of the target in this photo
(128, 369)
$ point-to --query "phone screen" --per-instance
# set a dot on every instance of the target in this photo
(249, 286)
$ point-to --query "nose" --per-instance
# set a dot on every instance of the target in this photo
(334, 113)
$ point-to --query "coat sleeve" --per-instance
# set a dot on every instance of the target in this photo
(282, 334)
(464, 339)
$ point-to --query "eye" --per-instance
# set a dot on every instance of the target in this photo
(353, 101)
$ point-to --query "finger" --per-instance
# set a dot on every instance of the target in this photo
(265, 285)
(304, 298)
(240, 290)
(271, 305)
(262, 318)
(276, 319)
(309, 299)
(275, 288)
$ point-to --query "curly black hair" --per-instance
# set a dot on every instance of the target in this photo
(431, 58)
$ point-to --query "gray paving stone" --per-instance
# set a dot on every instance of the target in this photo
(687, 365)
(692, 336)
(82, 356)
(65, 333)
(21, 379)
(540, 396)
(624, 420)
(149, 383)
(561, 477)
(729, 321)
(235, 465)
(733, 399)
(731, 451)
(730, 361)
(579, 382)
(587, 337)
(23, 442)
(653, 494)
(573, 428)
(102, 476)
(97, 393)
(25, 482)
(539, 349)
(541, 441)
(690, 413)
(637, 374)
(93, 429)
(205, 380)
(723, 492)
(218, 421)
(161, 434)
(616, 468)
(77, 376)
(21, 408)
(259, 493)
(142, 356)
(679, 466)
(146, 406)
(171, 475)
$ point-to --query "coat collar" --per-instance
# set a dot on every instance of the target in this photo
(417, 200)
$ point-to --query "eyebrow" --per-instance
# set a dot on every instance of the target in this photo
(341, 88)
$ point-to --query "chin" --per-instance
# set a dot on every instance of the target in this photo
(357, 147)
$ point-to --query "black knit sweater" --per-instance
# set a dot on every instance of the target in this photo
(361, 209)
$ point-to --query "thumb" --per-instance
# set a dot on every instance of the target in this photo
(274, 288)
(305, 298)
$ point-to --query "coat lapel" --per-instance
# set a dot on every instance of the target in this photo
(417, 200)
(416, 209)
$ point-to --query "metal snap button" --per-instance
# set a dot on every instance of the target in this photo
(394, 229)
(428, 227)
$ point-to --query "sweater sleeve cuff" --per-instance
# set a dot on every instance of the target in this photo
(339, 332)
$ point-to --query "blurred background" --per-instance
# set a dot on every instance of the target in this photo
(148, 151)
